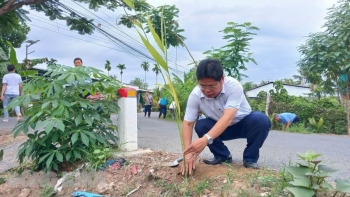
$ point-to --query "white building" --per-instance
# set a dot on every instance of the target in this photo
(293, 90)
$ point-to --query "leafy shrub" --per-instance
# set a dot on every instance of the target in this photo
(67, 127)
(297, 128)
(316, 126)
(183, 89)
(99, 157)
(308, 178)
(258, 104)
(306, 108)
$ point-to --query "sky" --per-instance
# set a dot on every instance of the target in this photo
(284, 25)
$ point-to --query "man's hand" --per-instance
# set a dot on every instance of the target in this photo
(196, 147)
(2, 97)
(191, 153)
(190, 164)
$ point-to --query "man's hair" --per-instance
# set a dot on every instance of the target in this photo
(276, 115)
(78, 58)
(209, 68)
(10, 67)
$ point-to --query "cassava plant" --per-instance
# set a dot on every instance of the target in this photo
(308, 179)
(67, 125)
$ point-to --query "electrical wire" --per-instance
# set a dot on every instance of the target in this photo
(116, 27)
(140, 55)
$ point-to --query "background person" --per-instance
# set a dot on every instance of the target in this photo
(148, 103)
(229, 116)
(172, 108)
(162, 107)
(286, 119)
(11, 88)
(78, 62)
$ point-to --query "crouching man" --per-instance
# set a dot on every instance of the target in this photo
(229, 116)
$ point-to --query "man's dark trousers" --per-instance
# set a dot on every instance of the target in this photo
(148, 109)
(162, 110)
(254, 127)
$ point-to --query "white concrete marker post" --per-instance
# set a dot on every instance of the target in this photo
(127, 119)
(268, 101)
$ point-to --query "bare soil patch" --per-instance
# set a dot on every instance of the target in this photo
(146, 174)
(6, 138)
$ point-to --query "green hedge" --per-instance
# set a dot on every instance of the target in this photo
(333, 114)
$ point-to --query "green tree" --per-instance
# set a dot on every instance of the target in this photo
(138, 82)
(263, 83)
(171, 26)
(289, 81)
(156, 69)
(157, 93)
(121, 68)
(262, 94)
(326, 55)
(248, 86)
(145, 67)
(235, 54)
(12, 29)
(56, 10)
(279, 94)
(183, 88)
(22, 68)
(300, 78)
(108, 66)
(156, 15)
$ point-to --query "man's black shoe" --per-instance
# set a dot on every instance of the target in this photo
(215, 161)
(249, 164)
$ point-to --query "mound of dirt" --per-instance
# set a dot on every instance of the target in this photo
(144, 175)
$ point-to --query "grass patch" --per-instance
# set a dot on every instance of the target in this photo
(298, 128)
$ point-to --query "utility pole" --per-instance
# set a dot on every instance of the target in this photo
(31, 42)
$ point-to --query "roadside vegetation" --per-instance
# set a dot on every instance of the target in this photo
(314, 112)
(70, 129)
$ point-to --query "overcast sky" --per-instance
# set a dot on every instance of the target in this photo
(283, 26)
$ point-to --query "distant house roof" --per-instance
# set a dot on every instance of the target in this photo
(295, 90)
(301, 86)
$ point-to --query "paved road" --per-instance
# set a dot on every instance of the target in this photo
(278, 149)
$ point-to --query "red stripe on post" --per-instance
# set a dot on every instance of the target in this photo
(127, 92)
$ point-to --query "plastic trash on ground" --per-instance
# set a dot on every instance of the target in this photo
(86, 194)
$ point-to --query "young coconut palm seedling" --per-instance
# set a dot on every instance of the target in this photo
(160, 58)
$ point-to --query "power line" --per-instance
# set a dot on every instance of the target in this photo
(95, 37)
(115, 27)
(123, 33)
(75, 37)
(110, 37)
(114, 39)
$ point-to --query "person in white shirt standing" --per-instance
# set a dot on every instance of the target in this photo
(229, 117)
(172, 107)
(11, 88)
